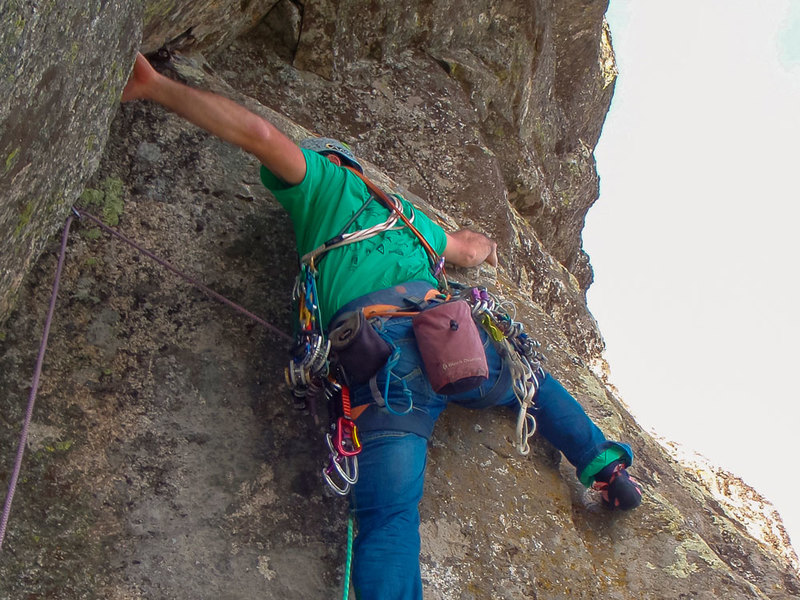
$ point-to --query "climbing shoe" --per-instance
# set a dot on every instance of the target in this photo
(619, 490)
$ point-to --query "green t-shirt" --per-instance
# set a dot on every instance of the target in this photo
(319, 207)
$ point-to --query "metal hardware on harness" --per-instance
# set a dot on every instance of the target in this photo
(343, 444)
(343, 238)
(307, 374)
(346, 467)
(347, 442)
(521, 353)
(308, 368)
(308, 377)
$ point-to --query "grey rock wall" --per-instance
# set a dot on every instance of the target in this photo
(165, 458)
(62, 68)
(205, 25)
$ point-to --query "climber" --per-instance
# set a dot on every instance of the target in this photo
(321, 194)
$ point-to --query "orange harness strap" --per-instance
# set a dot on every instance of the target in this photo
(390, 310)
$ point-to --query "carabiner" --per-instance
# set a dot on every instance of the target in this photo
(439, 267)
(347, 442)
(326, 474)
(303, 315)
(350, 470)
(526, 428)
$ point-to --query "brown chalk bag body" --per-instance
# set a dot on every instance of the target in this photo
(451, 347)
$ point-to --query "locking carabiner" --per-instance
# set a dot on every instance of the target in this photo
(347, 442)
(348, 472)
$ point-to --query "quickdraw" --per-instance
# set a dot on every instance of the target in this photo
(344, 447)
(520, 351)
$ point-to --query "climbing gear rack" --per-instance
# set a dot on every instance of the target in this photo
(309, 377)
(519, 350)
(308, 374)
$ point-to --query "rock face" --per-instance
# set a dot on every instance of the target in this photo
(205, 25)
(63, 66)
(537, 83)
(165, 459)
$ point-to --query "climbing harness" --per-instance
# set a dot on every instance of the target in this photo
(309, 375)
(519, 350)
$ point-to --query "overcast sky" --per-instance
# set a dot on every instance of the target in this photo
(693, 239)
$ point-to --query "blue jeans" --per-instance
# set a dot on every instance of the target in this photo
(392, 462)
(385, 501)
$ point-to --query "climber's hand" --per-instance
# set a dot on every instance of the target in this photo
(141, 80)
(492, 258)
(467, 248)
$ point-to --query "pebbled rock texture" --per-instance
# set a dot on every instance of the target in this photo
(165, 458)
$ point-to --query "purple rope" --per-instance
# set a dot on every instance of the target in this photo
(12, 486)
(191, 280)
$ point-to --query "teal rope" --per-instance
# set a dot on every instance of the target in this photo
(349, 559)
(390, 364)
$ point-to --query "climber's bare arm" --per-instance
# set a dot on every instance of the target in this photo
(221, 117)
(467, 248)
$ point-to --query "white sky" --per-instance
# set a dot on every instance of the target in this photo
(693, 237)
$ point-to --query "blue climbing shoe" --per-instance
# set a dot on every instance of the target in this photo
(619, 490)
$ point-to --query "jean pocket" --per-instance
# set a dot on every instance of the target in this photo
(387, 434)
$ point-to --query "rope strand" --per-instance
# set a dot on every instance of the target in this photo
(189, 279)
(12, 486)
(348, 559)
